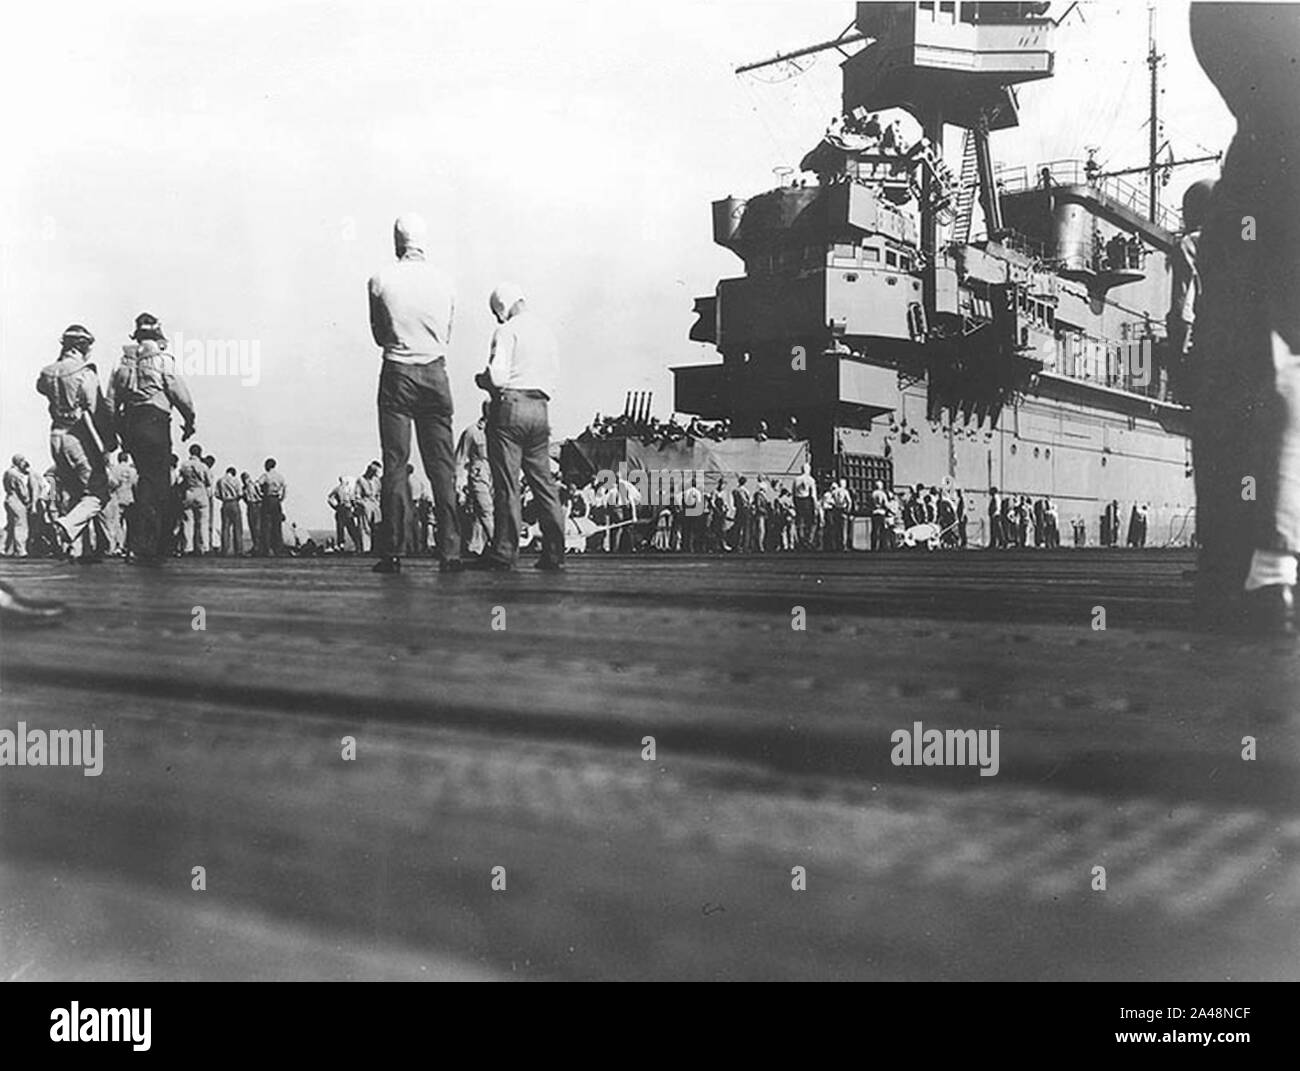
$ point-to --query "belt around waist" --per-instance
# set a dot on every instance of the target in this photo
(539, 395)
(407, 362)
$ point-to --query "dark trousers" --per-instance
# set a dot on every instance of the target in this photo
(834, 529)
(804, 521)
(519, 436)
(878, 531)
(146, 436)
(416, 394)
(271, 521)
(1245, 408)
(255, 526)
(1245, 359)
(741, 530)
(232, 528)
(346, 527)
(693, 533)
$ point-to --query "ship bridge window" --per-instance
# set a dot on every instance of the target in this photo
(947, 7)
(891, 258)
(845, 249)
(870, 254)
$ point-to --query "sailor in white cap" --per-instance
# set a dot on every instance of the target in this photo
(411, 310)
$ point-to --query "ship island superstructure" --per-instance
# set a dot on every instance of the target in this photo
(1033, 357)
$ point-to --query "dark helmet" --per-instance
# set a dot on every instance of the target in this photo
(1196, 202)
(148, 326)
(77, 337)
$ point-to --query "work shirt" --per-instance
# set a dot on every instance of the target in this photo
(17, 487)
(122, 479)
(411, 309)
(472, 450)
(272, 485)
(524, 355)
(147, 376)
(879, 502)
(195, 478)
(71, 387)
(368, 488)
(228, 489)
(253, 492)
(804, 486)
(341, 497)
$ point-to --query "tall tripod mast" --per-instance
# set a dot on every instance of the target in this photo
(1154, 60)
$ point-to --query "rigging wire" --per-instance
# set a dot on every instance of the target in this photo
(754, 106)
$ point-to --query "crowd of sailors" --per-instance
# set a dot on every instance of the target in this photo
(222, 511)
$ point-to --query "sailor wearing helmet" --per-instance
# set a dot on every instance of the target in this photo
(78, 430)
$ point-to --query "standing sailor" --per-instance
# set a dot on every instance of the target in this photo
(274, 490)
(411, 310)
(122, 479)
(18, 501)
(422, 510)
(210, 462)
(142, 392)
(369, 511)
(253, 503)
(521, 373)
(196, 486)
(342, 501)
(228, 492)
(805, 496)
(472, 455)
(71, 385)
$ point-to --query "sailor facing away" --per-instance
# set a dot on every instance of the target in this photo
(522, 368)
(411, 311)
(142, 392)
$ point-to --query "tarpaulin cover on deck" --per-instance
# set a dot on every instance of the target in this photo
(774, 458)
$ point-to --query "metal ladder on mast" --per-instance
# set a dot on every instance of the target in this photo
(968, 184)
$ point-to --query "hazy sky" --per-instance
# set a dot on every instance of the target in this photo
(235, 169)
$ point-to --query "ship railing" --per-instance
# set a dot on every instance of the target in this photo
(1074, 172)
(1034, 250)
